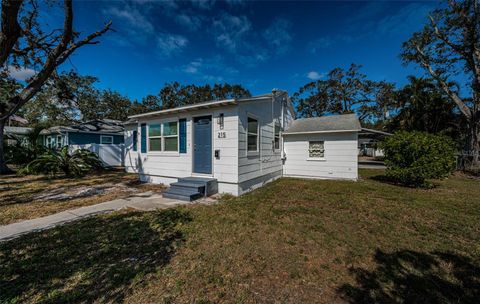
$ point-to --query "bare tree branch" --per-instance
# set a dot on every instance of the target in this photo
(11, 30)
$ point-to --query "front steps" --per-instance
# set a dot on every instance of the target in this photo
(191, 188)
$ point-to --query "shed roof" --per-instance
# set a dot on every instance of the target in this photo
(325, 124)
(109, 126)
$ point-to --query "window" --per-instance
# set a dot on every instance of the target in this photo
(106, 140)
(59, 141)
(163, 137)
(154, 137)
(277, 137)
(49, 142)
(170, 133)
(316, 149)
(135, 140)
(252, 135)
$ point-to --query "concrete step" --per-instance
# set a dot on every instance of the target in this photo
(188, 185)
(182, 197)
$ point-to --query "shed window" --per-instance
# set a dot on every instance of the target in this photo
(316, 149)
(277, 137)
(106, 140)
(252, 135)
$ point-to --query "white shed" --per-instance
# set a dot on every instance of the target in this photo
(322, 147)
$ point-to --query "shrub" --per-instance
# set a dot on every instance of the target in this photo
(414, 157)
(21, 155)
(52, 162)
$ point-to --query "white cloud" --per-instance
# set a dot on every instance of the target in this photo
(230, 31)
(204, 4)
(171, 43)
(328, 42)
(189, 21)
(314, 75)
(132, 16)
(278, 35)
(20, 74)
(211, 69)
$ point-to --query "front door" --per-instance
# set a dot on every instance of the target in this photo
(202, 144)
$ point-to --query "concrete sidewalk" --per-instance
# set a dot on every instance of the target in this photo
(145, 201)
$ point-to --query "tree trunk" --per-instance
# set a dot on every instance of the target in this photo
(3, 165)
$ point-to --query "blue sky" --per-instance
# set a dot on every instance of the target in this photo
(261, 45)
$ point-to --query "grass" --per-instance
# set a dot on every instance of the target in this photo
(19, 194)
(293, 241)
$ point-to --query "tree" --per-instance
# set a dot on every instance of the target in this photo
(174, 94)
(422, 106)
(23, 43)
(448, 48)
(112, 105)
(345, 91)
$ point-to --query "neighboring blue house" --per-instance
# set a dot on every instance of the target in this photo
(105, 132)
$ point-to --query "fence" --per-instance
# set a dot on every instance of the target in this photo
(110, 155)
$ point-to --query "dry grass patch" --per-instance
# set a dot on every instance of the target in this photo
(27, 197)
(292, 241)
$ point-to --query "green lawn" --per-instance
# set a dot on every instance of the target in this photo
(293, 241)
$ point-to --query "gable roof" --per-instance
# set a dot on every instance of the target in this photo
(325, 124)
(109, 126)
(17, 130)
(207, 104)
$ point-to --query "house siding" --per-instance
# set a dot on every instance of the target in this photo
(167, 167)
(80, 138)
(257, 168)
(340, 161)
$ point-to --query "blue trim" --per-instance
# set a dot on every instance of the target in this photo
(135, 140)
(143, 138)
(183, 135)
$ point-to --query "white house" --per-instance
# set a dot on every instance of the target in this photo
(233, 146)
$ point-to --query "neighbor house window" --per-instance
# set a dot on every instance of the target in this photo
(316, 149)
(170, 135)
(155, 137)
(106, 140)
(277, 137)
(252, 135)
(59, 141)
(163, 137)
(49, 142)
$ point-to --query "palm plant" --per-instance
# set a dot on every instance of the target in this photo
(52, 162)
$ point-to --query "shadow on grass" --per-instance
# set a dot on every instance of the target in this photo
(414, 277)
(96, 259)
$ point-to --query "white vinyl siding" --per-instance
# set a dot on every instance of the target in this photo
(339, 157)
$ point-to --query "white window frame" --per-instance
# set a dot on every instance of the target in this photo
(106, 136)
(162, 137)
(48, 141)
(170, 136)
(253, 152)
(59, 142)
(309, 149)
(275, 136)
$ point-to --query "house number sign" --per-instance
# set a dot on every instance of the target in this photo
(222, 134)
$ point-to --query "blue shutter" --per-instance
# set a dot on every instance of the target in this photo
(143, 134)
(183, 135)
(135, 140)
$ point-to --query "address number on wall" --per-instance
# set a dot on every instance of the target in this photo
(222, 134)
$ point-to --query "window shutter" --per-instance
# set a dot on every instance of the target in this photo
(135, 140)
(143, 134)
(183, 135)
